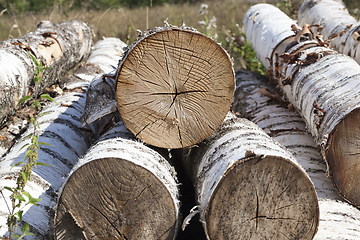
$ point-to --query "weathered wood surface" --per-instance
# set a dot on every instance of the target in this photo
(121, 189)
(248, 186)
(174, 82)
(256, 99)
(334, 18)
(321, 84)
(60, 47)
(61, 128)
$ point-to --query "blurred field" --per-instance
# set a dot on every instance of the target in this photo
(123, 23)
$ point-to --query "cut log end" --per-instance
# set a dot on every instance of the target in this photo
(263, 198)
(114, 199)
(343, 157)
(175, 83)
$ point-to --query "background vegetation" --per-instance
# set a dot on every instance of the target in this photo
(122, 18)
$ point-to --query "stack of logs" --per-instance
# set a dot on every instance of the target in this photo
(130, 117)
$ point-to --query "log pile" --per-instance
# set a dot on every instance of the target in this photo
(320, 83)
(121, 189)
(249, 186)
(60, 47)
(171, 92)
(256, 99)
(61, 128)
(332, 20)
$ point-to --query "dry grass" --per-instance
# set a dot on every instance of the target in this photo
(116, 22)
(123, 23)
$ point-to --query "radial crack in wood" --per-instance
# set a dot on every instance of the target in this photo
(248, 186)
(174, 82)
(121, 189)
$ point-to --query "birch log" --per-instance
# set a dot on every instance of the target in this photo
(248, 186)
(321, 84)
(176, 82)
(256, 99)
(334, 18)
(62, 129)
(121, 189)
(59, 47)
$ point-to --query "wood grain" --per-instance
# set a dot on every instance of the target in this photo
(115, 199)
(177, 84)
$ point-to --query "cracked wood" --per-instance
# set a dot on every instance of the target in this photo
(248, 186)
(177, 83)
(121, 189)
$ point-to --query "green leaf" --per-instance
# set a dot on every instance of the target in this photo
(33, 59)
(20, 198)
(16, 164)
(23, 99)
(16, 236)
(25, 175)
(8, 188)
(25, 228)
(43, 164)
(38, 105)
(19, 215)
(44, 143)
(42, 114)
(27, 144)
(31, 199)
(46, 96)
(27, 153)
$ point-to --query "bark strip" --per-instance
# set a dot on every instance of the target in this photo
(60, 47)
(321, 84)
(259, 101)
(121, 189)
(176, 82)
(62, 129)
(334, 22)
(249, 186)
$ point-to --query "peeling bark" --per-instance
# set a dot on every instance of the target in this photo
(60, 47)
(62, 129)
(334, 20)
(121, 189)
(259, 101)
(176, 82)
(249, 186)
(321, 84)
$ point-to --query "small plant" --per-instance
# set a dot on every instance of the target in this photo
(287, 7)
(241, 51)
(19, 198)
(209, 25)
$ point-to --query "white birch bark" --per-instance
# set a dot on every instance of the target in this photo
(249, 186)
(322, 85)
(60, 47)
(334, 18)
(256, 99)
(140, 190)
(62, 129)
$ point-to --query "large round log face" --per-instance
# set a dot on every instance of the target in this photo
(114, 200)
(175, 83)
(343, 157)
(263, 198)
